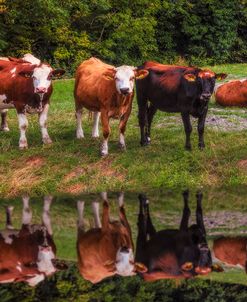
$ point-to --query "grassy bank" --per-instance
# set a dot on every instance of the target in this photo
(72, 166)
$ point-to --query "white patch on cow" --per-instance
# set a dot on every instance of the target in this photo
(41, 82)
(125, 263)
(95, 207)
(23, 124)
(80, 209)
(95, 131)
(31, 59)
(7, 281)
(79, 130)
(18, 267)
(104, 147)
(125, 79)
(26, 211)
(35, 280)
(13, 70)
(121, 199)
(43, 125)
(46, 214)
(44, 262)
(122, 141)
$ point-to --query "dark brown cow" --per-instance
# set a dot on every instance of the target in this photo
(107, 249)
(175, 89)
(28, 254)
(25, 84)
(232, 251)
(181, 253)
(107, 91)
(233, 93)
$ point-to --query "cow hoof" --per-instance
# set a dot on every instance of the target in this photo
(103, 153)
(79, 135)
(95, 136)
(47, 141)
(5, 129)
(145, 143)
(201, 147)
(23, 145)
(122, 146)
(188, 147)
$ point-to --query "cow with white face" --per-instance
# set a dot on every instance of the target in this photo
(26, 85)
(107, 248)
(28, 254)
(108, 92)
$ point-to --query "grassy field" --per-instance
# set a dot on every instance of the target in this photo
(71, 166)
(225, 217)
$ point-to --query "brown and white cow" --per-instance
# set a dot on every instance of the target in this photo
(28, 254)
(233, 93)
(26, 85)
(107, 91)
(231, 251)
(170, 254)
(107, 248)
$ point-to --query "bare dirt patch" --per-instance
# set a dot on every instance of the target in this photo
(242, 164)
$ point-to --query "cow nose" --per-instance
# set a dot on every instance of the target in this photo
(124, 90)
(124, 249)
(206, 95)
(40, 89)
(45, 248)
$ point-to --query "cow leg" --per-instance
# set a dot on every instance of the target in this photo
(80, 222)
(122, 127)
(184, 224)
(4, 124)
(121, 199)
(26, 212)
(43, 125)
(150, 115)
(199, 215)
(105, 216)
(106, 133)
(200, 128)
(23, 124)
(79, 130)
(150, 227)
(9, 212)
(95, 207)
(187, 128)
(95, 132)
(46, 219)
(142, 116)
(104, 196)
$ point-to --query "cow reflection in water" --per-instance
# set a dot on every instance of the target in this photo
(231, 251)
(181, 253)
(107, 248)
(28, 254)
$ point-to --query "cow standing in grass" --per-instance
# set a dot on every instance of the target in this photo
(175, 89)
(28, 254)
(108, 92)
(25, 84)
(233, 93)
(181, 253)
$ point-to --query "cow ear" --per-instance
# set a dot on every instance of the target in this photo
(140, 267)
(141, 74)
(110, 74)
(220, 76)
(190, 77)
(217, 268)
(58, 72)
(110, 266)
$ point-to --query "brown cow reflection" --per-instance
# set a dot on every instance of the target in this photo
(107, 248)
(28, 254)
(181, 253)
(231, 251)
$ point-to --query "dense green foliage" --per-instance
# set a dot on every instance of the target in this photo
(69, 286)
(125, 31)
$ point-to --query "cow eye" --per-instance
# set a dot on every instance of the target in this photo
(49, 77)
(27, 75)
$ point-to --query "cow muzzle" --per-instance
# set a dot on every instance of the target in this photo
(205, 97)
(40, 90)
(125, 91)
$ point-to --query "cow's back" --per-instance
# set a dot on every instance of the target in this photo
(233, 93)
(232, 251)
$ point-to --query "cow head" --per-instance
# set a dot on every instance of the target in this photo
(201, 83)
(41, 76)
(124, 77)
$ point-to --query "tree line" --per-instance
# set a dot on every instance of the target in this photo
(64, 33)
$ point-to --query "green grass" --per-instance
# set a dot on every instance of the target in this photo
(72, 166)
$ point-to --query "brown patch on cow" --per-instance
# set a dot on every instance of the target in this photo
(242, 164)
(24, 174)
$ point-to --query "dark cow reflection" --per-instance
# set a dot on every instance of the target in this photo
(179, 253)
(107, 248)
(28, 254)
(231, 251)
